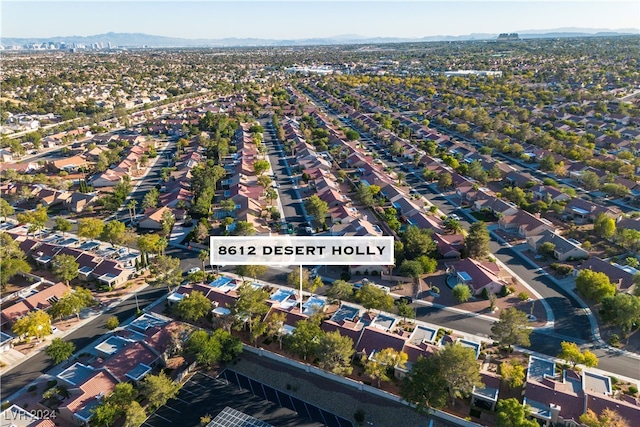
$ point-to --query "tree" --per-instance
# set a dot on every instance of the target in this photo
(293, 278)
(512, 328)
(275, 326)
(244, 228)
(334, 352)
(204, 256)
(271, 194)
(72, 302)
(12, 259)
(317, 208)
(304, 340)
(194, 306)
(381, 365)
(406, 311)
(608, 418)
(60, 350)
(547, 249)
(445, 181)
(418, 241)
(148, 243)
(90, 228)
(572, 354)
(459, 369)
(461, 292)
(167, 270)
(251, 303)
(150, 199)
(622, 310)
(424, 386)
(122, 396)
(230, 346)
(512, 373)
(63, 224)
(264, 181)
(411, 269)
(315, 284)
(158, 389)
(260, 166)
(113, 232)
(105, 414)
(604, 226)
(477, 241)
(590, 180)
(204, 347)
(36, 324)
(373, 298)
(364, 194)
(167, 221)
(340, 290)
(112, 323)
(251, 270)
(65, 267)
(512, 413)
(5, 209)
(351, 135)
(135, 415)
(548, 163)
(453, 226)
(594, 285)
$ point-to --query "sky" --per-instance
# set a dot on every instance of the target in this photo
(299, 19)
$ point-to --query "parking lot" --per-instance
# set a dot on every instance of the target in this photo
(203, 394)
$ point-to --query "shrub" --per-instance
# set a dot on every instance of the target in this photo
(32, 388)
(614, 340)
(633, 390)
(504, 291)
(112, 323)
(554, 266)
(359, 416)
(564, 269)
(485, 293)
(614, 380)
(523, 296)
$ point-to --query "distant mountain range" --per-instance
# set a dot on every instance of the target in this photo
(134, 40)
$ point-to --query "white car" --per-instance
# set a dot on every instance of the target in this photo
(193, 270)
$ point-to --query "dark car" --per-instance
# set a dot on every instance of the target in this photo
(405, 299)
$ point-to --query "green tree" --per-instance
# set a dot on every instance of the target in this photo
(594, 285)
(63, 224)
(251, 303)
(445, 181)
(122, 396)
(112, 323)
(317, 208)
(158, 389)
(512, 413)
(166, 270)
(364, 194)
(5, 209)
(65, 267)
(608, 418)
(90, 228)
(590, 180)
(113, 232)
(604, 226)
(244, 228)
(512, 373)
(461, 292)
(459, 369)
(622, 310)
(105, 414)
(424, 386)
(12, 259)
(477, 241)
(150, 199)
(194, 306)
(572, 354)
(37, 218)
(304, 340)
(204, 256)
(72, 302)
(204, 347)
(167, 221)
(381, 365)
(251, 270)
(275, 325)
(334, 352)
(260, 166)
(293, 278)
(418, 241)
(36, 324)
(411, 269)
(373, 298)
(512, 328)
(548, 163)
(60, 350)
(135, 415)
(340, 290)
(406, 311)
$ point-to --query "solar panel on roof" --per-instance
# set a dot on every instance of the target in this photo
(230, 417)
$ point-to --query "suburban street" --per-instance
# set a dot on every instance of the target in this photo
(29, 370)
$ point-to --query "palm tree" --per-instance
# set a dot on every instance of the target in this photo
(131, 206)
(162, 244)
(203, 256)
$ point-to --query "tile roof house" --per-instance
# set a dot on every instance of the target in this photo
(583, 210)
(111, 273)
(564, 249)
(477, 275)
(153, 218)
(78, 408)
(620, 276)
(449, 245)
(525, 224)
(130, 363)
(374, 340)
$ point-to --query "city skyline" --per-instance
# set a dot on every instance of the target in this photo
(289, 20)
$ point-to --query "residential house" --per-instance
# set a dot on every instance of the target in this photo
(153, 218)
(581, 210)
(111, 273)
(525, 224)
(621, 276)
(476, 274)
(79, 408)
(563, 250)
(78, 202)
(449, 245)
